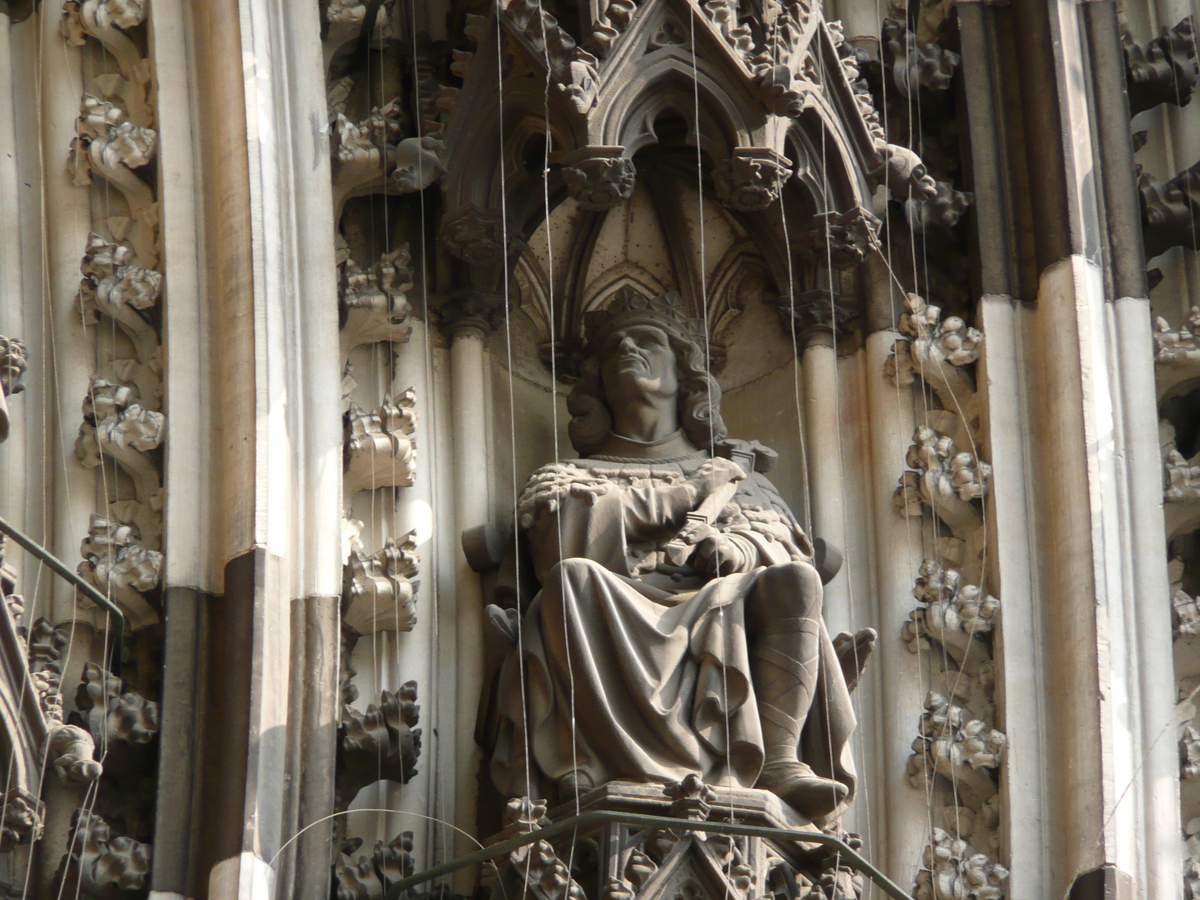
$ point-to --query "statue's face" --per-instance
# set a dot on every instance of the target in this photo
(638, 360)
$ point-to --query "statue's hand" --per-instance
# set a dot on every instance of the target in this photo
(719, 554)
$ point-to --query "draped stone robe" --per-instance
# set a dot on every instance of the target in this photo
(637, 669)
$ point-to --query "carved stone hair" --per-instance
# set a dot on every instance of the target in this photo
(699, 400)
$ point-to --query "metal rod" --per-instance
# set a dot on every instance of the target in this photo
(601, 817)
(57, 566)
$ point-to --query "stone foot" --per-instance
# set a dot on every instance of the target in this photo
(797, 785)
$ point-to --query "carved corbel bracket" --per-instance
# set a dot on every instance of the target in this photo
(120, 567)
(752, 178)
(113, 714)
(841, 240)
(379, 592)
(956, 615)
(816, 312)
(373, 305)
(380, 450)
(1163, 69)
(106, 21)
(97, 862)
(953, 871)
(382, 743)
(599, 178)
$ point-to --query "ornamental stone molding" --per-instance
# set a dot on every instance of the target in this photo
(599, 178)
(97, 862)
(21, 822)
(380, 450)
(750, 181)
(953, 614)
(72, 751)
(958, 747)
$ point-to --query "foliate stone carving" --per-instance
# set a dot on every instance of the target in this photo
(366, 143)
(750, 181)
(382, 743)
(958, 746)
(113, 714)
(374, 303)
(370, 878)
(106, 20)
(97, 862)
(380, 450)
(944, 478)
(72, 751)
(21, 823)
(1169, 210)
(13, 360)
(46, 646)
(724, 16)
(1163, 69)
(937, 350)
(841, 239)
(952, 872)
(955, 614)
(120, 567)
(475, 235)
(113, 284)
(853, 61)
(915, 65)
(943, 210)
(611, 25)
(816, 311)
(379, 591)
(574, 71)
(1191, 879)
(1185, 615)
(1181, 479)
(599, 177)
(1189, 754)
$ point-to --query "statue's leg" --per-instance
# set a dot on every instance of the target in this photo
(783, 621)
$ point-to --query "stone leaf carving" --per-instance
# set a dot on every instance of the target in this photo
(475, 235)
(379, 591)
(380, 450)
(915, 65)
(98, 862)
(956, 615)
(120, 567)
(943, 210)
(370, 878)
(1163, 69)
(542, 873)
(813, 311)
(106, 21)
(952, 872)
(111, 713)
(574, 71)
(109, 143)
(374, 303)
(750, 181)
(599, 177)
(46, 645)
(943, 478)
(937, 350)
(1181, 479)
(853, 61)
(957, 746)
(21, 822)
(72, 752)
(723, 14)
(114, 285)
(1189, 754)
(841, 240)
(905, 174)
(13, 360)
(379, 744)
(1169, 210)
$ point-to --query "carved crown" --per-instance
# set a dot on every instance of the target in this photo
(628, 307)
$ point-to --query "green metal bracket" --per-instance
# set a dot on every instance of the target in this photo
(603, 817)
(57, 566)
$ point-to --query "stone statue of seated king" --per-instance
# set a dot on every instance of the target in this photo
(678, 627)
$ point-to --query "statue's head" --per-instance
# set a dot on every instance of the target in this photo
(643, 345)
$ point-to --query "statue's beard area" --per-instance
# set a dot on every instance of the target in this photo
(644, 405)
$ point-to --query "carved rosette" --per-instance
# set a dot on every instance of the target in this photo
(599, 178)
(751, 180)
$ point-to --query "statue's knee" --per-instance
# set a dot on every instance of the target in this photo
(794, 589)
(574, 570)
